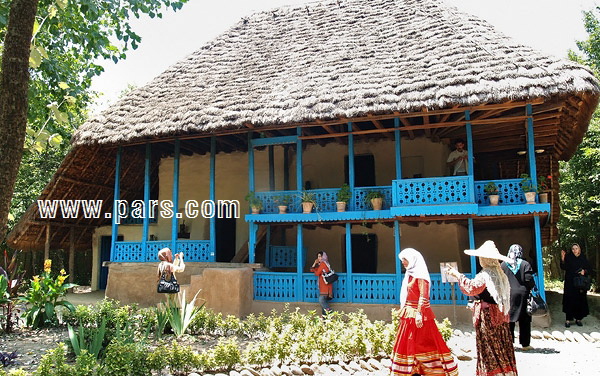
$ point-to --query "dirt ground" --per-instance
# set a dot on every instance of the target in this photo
(549, 356)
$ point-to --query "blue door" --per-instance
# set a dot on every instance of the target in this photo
(105, 243)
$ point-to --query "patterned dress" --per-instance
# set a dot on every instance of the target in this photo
(495, 351)
(420, 350)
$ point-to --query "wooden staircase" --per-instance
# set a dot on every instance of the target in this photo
(242, 254)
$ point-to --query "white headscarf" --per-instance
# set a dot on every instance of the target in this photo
(416, 268)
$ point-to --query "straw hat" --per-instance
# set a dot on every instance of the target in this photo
(487, 250)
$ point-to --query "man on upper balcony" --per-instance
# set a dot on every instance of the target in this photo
(458, 160)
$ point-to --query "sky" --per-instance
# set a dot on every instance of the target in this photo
(551, 26)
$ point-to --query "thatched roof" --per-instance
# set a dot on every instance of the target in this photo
(336, 59)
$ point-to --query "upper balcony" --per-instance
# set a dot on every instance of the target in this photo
(437, 196)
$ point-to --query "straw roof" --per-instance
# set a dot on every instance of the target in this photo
(336, 59)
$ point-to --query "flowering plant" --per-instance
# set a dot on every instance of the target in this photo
(544, 183)
(45, 293)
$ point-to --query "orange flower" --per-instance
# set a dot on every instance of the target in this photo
(47, 265)
(36, 279)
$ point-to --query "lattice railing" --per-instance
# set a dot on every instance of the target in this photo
(279, 287)
(269, 200)
(359, 198)
(431, 191)
(311, 289)
(374, 288)
(282, 256)
(509, 190)
(441, 293)
(193, 250)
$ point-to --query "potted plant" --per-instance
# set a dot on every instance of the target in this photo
(343, 196)
(491, 190)
(543, 187)
(255, 203)
(375, 198)
(308, 201)
(282, 202)
(527, 186)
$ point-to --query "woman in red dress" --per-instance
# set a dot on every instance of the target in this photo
(419, 347)
(320, 266)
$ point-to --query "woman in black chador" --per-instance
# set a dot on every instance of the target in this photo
(575, 304)
(520, 278)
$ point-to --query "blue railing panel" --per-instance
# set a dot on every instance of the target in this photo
(279, 287)
(374, 288)
(270, 205)
(195, 250)
(359, 202)
(152, 248)
(509, 190)
(441, 293)
(311, 289)
(325, 199)
(431, 191)
(283, 256)
(128, 252)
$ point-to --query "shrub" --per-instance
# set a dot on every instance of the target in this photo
(226, 354)
(11, 270)
(126, 359)
(44, 295)
(53, 363)
(92, 342)
(177, 358)
(181, 313)
(445, 328)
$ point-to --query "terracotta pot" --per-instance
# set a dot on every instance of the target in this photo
(377, 203)
(543, 197)
(282, 209)
(307, 207)
(530, 197)
(255, 210)
(341, 206)
(494, 199)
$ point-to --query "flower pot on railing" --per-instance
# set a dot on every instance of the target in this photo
(530, 197)
(377, 203)
(341, 206)
(543, 197)
(494, 199)
(307, 207)
(282, 209)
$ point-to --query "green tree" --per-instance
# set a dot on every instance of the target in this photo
(580, 176)
(62, 47)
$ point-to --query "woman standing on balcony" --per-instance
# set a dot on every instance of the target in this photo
(491, 289)
(320, 266)
(419, 347)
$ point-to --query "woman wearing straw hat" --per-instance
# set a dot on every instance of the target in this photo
(490, 287)
(419, 347)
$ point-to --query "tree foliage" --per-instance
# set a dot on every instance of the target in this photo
(70, 38)
(580, 176)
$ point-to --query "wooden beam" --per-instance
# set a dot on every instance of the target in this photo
(378, 125)
(407, 124)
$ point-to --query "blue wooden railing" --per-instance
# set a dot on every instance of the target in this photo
(365, 288)
(431, 191)
(281, 256)
(509, 190)
(194, 250)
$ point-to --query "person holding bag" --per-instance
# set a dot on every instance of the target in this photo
(577, 270)
(319, 267)
(167, 283)
(520, 279)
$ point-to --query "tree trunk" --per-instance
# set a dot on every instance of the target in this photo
(14, 83)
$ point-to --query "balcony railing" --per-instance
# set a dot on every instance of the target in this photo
(364, 288)
(509, 190)
(194, 250)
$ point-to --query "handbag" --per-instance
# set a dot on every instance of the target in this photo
(167, 287)
(583, 282)
(536, 306)
(330, 277)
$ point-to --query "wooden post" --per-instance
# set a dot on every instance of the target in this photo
(470, 170)
(531, 148)
(299, 264)
(271, 168)
(349, 263)
(398, 261)
(117, 193)
(147, 214)
(71, 254)
(175, 220)
(47, 243)
(212, 194)
(398, 148)
(472, 246)
(299, 177)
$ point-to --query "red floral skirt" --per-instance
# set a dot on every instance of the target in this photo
(421, 350)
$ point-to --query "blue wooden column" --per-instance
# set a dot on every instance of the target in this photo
(398, 261)
(538, 256)
(472, 246)
(531, 147)
(268, 248)
(398, 148)
(117, 194)
(299, 264)
(470, 154)
(251, 226)
(299, 176)
(175, 220)
(212, 195)
(351, 164)
(271, 168)
(147, 211)
(349, 297)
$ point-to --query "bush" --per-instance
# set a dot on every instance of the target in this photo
(44, 295)
(126, 359)
(177, 358)
(53, 363)
(445, 328)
